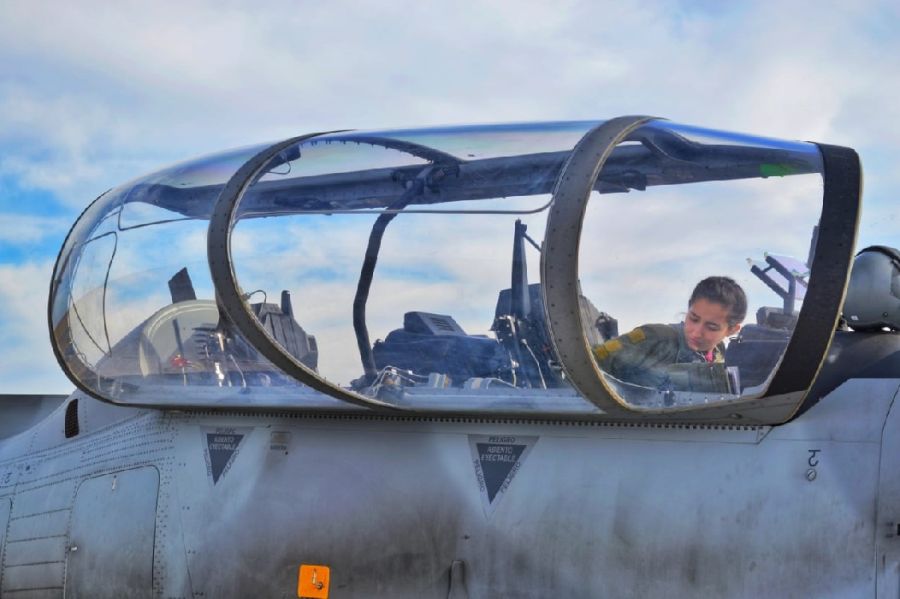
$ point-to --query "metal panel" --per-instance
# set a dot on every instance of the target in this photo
(47, 593)
(112, 535)
(4, 520)
(887, 537)
(33, 577)
(389, 503)
(44, 499)
(21, 412)
(34, 558)
(36, 551)
(39, 526)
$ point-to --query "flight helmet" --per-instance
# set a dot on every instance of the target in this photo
(873, 295)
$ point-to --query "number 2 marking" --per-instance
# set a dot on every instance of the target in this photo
(813, 461)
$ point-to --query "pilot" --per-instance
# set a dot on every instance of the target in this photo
(650, 354)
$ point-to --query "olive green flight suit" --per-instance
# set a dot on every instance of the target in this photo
(657, 356)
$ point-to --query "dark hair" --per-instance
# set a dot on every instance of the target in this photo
(725, 291)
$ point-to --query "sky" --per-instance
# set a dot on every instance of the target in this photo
(94, 94)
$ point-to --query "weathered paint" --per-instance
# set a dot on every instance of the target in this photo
(389, 504)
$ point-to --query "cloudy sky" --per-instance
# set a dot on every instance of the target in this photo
(93, 94)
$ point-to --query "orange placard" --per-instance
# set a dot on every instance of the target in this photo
(312, 581)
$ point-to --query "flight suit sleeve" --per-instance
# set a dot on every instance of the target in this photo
(640, 356)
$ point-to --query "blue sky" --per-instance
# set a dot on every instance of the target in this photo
(93, 94)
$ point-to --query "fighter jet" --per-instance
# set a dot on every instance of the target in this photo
(368, 364)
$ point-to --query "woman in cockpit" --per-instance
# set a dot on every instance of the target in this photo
(673, 356)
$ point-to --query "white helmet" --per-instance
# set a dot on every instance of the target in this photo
(873, 295)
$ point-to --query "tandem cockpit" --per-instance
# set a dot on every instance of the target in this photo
(461, 270)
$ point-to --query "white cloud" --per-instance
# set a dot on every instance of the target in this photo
(93, 94)
(27, 364)
(24, 229)
(274, 70)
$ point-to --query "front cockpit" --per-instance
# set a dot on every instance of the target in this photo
(460, 270)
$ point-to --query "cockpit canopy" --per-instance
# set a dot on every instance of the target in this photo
(476, 269)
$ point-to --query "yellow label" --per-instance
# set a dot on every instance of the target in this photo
(637, 335)
(613, 345)
(312, 581)
(600, 352)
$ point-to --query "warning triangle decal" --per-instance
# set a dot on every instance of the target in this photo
(221, 445)
(497, 459)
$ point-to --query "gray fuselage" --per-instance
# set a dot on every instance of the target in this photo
(148, 503)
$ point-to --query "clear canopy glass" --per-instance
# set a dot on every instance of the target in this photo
(744, 226)
(404, 268)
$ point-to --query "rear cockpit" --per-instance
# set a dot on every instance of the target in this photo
(375, 269)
